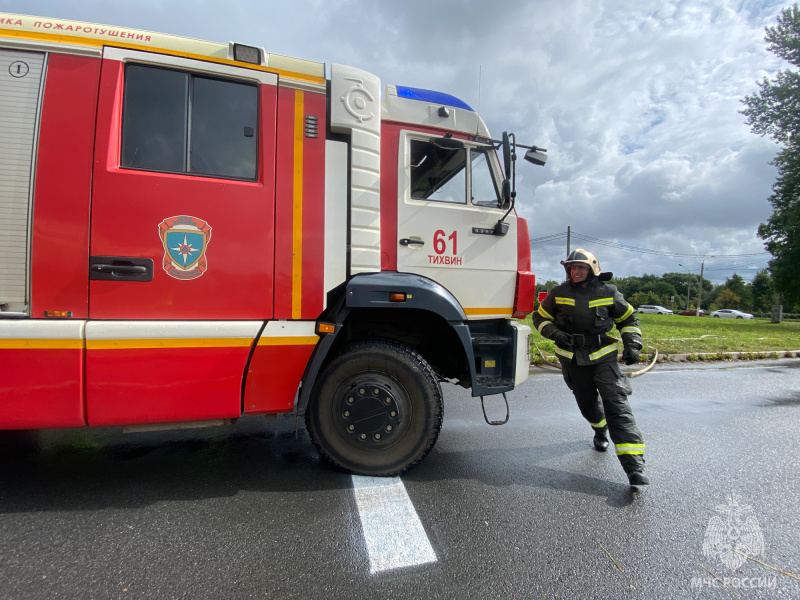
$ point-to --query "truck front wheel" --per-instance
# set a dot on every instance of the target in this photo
(376, 409)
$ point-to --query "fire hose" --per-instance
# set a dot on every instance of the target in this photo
(548, 364)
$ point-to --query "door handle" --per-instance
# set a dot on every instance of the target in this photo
(120, 268)
(409, 242)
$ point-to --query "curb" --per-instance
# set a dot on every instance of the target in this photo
(721, 356)
(708, 357)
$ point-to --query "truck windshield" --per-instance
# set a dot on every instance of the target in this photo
(484, 191)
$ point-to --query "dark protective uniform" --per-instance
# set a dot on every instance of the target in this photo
(589, 366)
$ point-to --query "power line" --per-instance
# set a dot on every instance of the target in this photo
(637, 249)
(747, 266)
(660, 252)
(548, 238)
(754, 262)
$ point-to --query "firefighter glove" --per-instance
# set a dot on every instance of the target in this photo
(562, 339)
(630, 355)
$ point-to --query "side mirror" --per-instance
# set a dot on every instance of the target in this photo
(506, 191)
(506, 156)
(536, 156)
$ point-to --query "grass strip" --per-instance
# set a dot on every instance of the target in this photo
(676, 334)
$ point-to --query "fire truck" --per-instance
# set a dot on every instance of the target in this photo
(194, 231)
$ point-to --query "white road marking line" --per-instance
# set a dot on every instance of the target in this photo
(392, 530)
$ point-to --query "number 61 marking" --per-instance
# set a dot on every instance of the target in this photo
(440, 245)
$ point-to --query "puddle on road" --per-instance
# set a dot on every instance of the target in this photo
(793, 400)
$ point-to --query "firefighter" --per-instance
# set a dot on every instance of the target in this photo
(577, 315)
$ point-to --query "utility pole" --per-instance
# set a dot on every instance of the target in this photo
(688, 293)
(688, 286)
(700, 291)
(569, 233)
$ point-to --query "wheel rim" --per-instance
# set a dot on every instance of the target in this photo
(371, 411)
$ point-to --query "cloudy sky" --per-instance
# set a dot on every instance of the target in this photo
(636, 101)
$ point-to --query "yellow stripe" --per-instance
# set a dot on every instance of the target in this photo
(84, 41)
(168, 343)
(601, 302)
(630, 449)
(56, 344)
(627, 314)
(602, 352)
(631, 330)
(297, 208)
(599, 425)
(564, 353)
(488, 311)
(35, 344)
(309, 340)
(567, 301)
(544, 313)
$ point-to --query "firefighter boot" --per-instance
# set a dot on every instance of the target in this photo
(600, 440)
(637, 478)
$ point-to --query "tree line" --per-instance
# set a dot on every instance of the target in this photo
(677, 291)
(774, 110)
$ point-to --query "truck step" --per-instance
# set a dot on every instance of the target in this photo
(495, 382)
(489, 339)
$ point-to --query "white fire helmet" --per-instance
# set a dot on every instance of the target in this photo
(582, 257)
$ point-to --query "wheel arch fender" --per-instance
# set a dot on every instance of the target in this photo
(369, 291)
(373, 290)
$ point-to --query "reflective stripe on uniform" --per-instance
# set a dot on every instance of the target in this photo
(602, 352)
(564, 353)
(598, 425)
(544, 313)
(631, 330)
(629, 449)
(627, 314)
(567, 301)
(601, 302)
(542, 325)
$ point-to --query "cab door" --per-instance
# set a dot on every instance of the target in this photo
(448, 205)
(183, 190)
(181, 240)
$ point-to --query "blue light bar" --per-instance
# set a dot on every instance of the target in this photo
(432, 97)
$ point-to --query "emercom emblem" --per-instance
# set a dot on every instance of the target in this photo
(733, 534)
(185, 241)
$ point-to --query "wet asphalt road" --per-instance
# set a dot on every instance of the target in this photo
(526, 510)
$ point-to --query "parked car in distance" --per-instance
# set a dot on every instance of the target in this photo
(730, 313)
(691, 313)
(653, 309)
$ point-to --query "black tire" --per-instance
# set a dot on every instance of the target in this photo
(740, 317)
(376, 409)
(715, 316)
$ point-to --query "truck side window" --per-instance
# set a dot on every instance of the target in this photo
(438, 173)
(177, 122)
(484, 191)
(154, 123)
